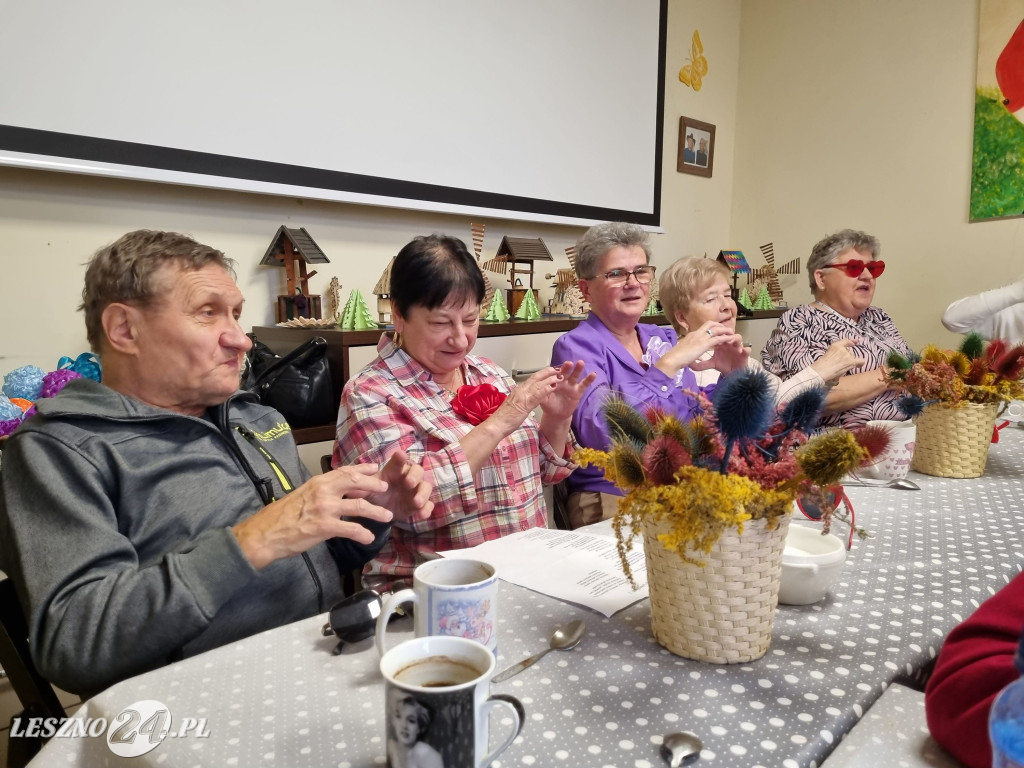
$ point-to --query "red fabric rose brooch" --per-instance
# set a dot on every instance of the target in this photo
(475, 402)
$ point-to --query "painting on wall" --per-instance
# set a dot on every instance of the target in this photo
(997, 173)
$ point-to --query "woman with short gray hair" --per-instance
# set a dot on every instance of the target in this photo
(645, 364)
(842, 270)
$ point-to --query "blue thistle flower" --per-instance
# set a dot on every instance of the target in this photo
(911, 405)
(744, 407)
(804, 410)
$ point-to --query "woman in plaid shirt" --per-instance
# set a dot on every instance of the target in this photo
(458, 415)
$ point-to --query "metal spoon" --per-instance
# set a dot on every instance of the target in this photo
(563, 639)
(681, 748)
(900, 484)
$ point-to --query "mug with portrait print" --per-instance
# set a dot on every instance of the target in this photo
(438, 704)
(451, 597)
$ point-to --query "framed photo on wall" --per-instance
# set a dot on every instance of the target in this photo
(696, 147)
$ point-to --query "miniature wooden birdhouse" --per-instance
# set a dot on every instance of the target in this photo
(293, 249)
(512, 255)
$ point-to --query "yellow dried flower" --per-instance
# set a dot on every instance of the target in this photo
(961, 363)
(932, 354)
(826, 459)
(698, 507)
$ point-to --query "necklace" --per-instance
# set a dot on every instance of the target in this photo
(451, 391)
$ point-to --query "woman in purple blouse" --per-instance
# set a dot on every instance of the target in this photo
(842, 270)
(613, 261)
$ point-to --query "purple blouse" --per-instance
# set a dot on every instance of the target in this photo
(805, 332)
(618, 373)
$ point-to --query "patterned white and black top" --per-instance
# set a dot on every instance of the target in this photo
(805, 332)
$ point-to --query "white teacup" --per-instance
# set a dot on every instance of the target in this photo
(452, 597)
(1014, 411)
(437, 703)
(894, 463)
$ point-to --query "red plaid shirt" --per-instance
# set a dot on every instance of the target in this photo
(395, 403)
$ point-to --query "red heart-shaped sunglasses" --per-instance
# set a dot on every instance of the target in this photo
(811, 504)
(854, 267)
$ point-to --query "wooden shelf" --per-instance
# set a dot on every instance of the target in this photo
(339, 342)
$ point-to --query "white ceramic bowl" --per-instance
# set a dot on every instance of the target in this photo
(811, 564)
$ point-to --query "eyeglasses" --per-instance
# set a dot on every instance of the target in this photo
(813, 503)
(854, 267)
(619, 277)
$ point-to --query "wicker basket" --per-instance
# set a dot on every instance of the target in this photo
(721, 613)
(953, 442)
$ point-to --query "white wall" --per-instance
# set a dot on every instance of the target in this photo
(828, 114)
(50, 223)
(696, 211)
(860, 114)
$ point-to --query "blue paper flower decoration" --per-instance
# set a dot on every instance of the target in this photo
(8, 410)
(25, 382)
(85, 364)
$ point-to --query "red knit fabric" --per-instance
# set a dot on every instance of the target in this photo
(975, 663)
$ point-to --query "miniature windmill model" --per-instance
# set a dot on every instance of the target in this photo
(478, 248)
(382, 290)
(736, 263)
(769, 275)
(568, 299)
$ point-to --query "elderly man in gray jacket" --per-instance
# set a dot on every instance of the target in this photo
(164, 512)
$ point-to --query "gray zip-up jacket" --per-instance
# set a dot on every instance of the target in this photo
(115, 524)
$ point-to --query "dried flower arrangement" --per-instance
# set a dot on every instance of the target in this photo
(738, 460)
(977, 372)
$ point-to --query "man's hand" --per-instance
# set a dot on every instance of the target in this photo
(407, 494)
(313, 513)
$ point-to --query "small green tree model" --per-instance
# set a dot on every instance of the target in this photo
(356, 316)
(497, 311)
(744, 299)
(528, 309)
(652, 307)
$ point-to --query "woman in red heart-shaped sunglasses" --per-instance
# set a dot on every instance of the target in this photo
(842, 270)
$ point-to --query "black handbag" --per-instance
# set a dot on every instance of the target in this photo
(297, 385)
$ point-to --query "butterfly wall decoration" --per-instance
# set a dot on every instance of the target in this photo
(692, 74)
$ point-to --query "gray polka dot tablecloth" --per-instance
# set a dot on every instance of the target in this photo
(893, 734)
(282, 698)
